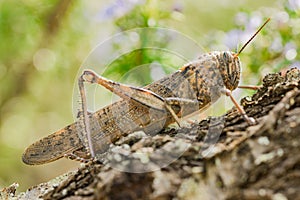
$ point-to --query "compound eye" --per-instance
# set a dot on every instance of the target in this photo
(225, 57)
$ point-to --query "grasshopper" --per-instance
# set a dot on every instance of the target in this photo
(193, 87)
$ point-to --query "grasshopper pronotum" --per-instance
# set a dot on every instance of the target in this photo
(193, 87)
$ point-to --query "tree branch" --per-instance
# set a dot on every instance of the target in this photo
(247, 162)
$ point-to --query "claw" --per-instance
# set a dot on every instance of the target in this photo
(250, 120)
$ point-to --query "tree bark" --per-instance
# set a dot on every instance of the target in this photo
(246, 162)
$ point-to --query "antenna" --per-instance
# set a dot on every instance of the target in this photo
(253, 36)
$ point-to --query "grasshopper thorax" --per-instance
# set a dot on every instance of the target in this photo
(230, 68)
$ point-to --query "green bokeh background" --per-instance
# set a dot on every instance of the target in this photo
(43, 43)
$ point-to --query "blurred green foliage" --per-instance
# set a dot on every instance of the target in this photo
(43, 44)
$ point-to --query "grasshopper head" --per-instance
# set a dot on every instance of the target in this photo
(230, 68)
(230, 65)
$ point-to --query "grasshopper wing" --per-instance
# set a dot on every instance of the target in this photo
(53, 146)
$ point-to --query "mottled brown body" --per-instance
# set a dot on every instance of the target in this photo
(202, 81)
(193, 87)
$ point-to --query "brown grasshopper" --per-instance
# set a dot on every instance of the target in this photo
(193, 87)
